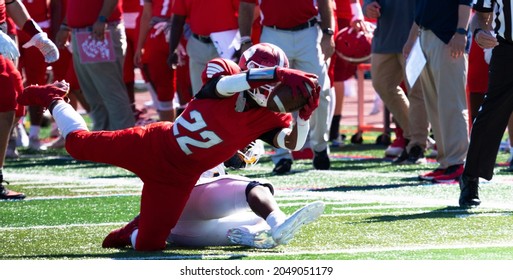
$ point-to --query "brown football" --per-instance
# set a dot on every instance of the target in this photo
(281, 100)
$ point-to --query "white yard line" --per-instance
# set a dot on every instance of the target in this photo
(324, 252)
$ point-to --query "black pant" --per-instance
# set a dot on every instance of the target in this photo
(492, 118)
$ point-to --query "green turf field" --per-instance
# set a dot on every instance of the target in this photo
(374, 211)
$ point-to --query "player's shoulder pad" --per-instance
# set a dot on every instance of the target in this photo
(219, 67)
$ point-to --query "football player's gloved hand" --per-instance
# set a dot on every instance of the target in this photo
(45, 46)
(300, 82)
(8, 47)
(313, 103)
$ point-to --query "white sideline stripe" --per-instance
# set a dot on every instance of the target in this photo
(78, 196)
(391, 249)
(383, 197)
(341, 251)
(60, 226)
(69, 182)
(480, 214)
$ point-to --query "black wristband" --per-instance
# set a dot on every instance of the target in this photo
(10, 2)
(102, 19)
(328, 31)
(461, 31)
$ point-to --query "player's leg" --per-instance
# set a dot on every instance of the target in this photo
(161, 207)
(10, 82)
(222, 204)
(260, 199)
(201, 233)
(161, 76)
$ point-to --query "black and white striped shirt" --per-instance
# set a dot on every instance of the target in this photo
(503, 11)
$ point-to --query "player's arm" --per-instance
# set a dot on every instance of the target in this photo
(177, 24)
(253, 78)
(55, 17)
(246, 11)
(99, 26)
(299, 81)
(290, 138)
(19, 14)
(17, 11)
(294, 138)
(144, 29)
(327, 25)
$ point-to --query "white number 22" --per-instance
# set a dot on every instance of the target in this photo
(209, 137)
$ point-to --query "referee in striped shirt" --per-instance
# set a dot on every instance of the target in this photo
(492, 119)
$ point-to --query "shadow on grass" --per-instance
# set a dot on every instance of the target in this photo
(55, 162)
(405, 182)
(443, 213)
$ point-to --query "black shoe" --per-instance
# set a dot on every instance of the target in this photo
(8, 194)
(469, 191)
(402, 158)
(283, 166)
(321, 160)
(416, 155)
(235, 162)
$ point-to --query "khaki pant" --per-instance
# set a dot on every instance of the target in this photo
(444, 81)
(387, 71)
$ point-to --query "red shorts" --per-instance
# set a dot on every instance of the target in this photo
(159, 74)
(477, 79)
(11, 84)
(63, 69)
(129, 66)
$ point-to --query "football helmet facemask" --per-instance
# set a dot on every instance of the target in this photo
(246, 157)
(259, 56)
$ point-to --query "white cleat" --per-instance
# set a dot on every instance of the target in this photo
(260, 239)
(283, 233)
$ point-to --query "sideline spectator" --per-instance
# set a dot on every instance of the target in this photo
(442, 27)
(394, 19)
(99, 43)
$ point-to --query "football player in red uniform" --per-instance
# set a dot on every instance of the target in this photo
(10, 78)
(34, 65)
(170, 157)
(152, 48)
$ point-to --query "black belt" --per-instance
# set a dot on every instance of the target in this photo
(302, 26)
(203, 39)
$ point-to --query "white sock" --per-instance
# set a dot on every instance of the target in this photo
(133, 237)
(34, 131)
(67, 119)
(276, 218)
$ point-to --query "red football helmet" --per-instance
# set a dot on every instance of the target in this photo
(259, 56)
(263, 55)
(217, 67)
(353, 46)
